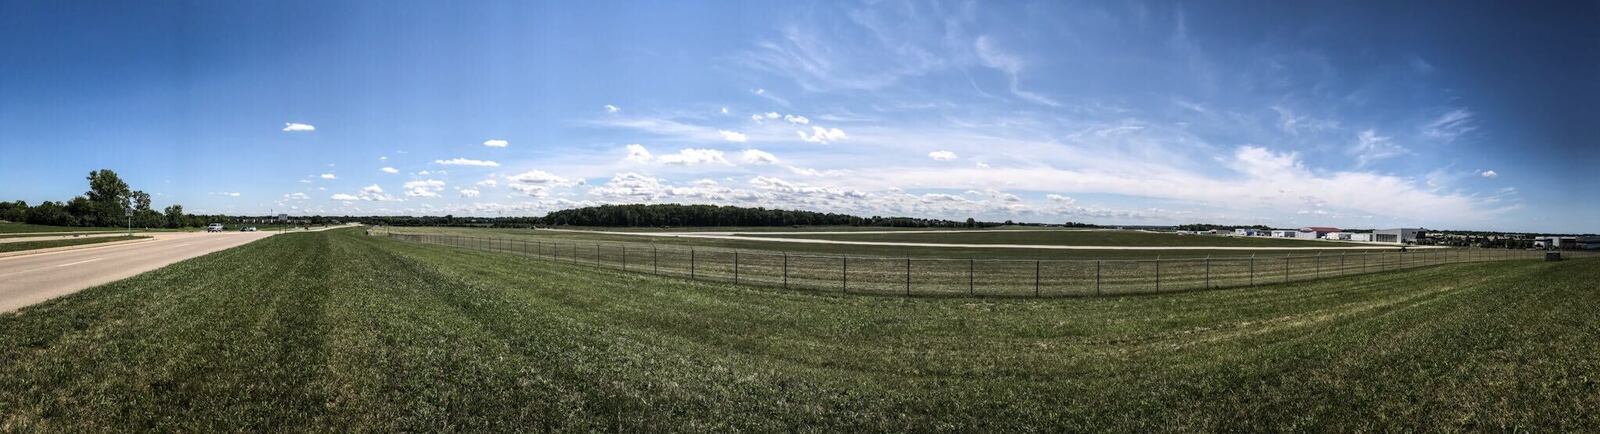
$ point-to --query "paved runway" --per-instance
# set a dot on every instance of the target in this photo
(29, 279)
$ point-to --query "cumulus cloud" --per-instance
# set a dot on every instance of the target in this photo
(538, 183)
(295, 196)
(631, 186)
(638, 154)
(496, 143)
(390, 170)
(1059, 199)
(733, 136)
(763, 117)
(823, 135)
(1488, 174)
(693, 156)
(467, 162)
(343, 197)
(487, 183)
(797, 119)
(424, 188)
(942, 155)
(613, 109)
(328, 176)
(298, 127)
(469, 192)
(757, 156)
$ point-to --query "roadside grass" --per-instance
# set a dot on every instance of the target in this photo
(22, 228)
(337, 332)
(884, 251)
(35, 245)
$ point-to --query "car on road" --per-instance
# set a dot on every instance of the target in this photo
(248, 229)
(214, 227)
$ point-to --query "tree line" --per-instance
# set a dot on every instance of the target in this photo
(108, 202)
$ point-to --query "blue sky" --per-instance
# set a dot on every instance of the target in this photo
(1443, 115)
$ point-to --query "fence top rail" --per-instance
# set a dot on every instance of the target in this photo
(1270, 257)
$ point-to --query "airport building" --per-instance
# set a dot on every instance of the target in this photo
(1397, 236)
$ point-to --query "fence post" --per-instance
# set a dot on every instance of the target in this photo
(908, 276)
(1158, 273)
(1036, 278)
(1286, 267)
(1208, 271)
(785, 270)
(1319, 264)
(735, 267)
(1341, 261)
(624, 257)
(844, 274)
(1097, 277)
(971, 265)
(655, 264)
(691, 263)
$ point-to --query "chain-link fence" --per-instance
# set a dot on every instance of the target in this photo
(971, 276)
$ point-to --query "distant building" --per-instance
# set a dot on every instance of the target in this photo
(1283, 234)
(1358, 236)
(282, 218)
(1247, 232)
(1316, 231)
(1341, 236)
(1397, 236)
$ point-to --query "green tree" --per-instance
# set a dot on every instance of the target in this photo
(175, 217)
(14, 211)
(109, 197)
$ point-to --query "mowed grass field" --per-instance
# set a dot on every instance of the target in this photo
(592, 237)
(35, 245)
(1064, 238)
(338, 332)
(26, 228)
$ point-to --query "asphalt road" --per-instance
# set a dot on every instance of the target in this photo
(29, 279)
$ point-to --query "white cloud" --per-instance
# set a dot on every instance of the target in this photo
(983, 165)
(424, 188)
(383, 158)
(538, 183)
(343, 197)
(467, 162)
(1449, 126)
(631, 186)
(390, 170)
(797, 119)
(487, 183)
(1012, 65)
(823, 135)
(469, 192)
(1059, 199)
(757, 156)
(693, 156)
(763, 117)
(733, 136)
(942, 155)
(328, 176)
(613, 109)
(296, 126)
(496, 143)
(638, 154)
(295, 196)
(1372, 147)
(374, 188)
(1488, 174)
(228, 194)
(724, 110)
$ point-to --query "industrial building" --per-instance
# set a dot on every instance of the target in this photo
(1247, 232)
(1316, 231)
(1397, 236)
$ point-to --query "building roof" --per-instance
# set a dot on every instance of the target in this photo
(1319, 229)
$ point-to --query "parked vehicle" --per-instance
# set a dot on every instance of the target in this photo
(214, 227)
(248, 229)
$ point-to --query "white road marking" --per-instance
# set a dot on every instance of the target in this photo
(79, 262)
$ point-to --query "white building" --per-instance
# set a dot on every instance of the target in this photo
(1397, 236)
(1364, 237)
(1247, 232)
(1284, 234)
(1337, 236)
